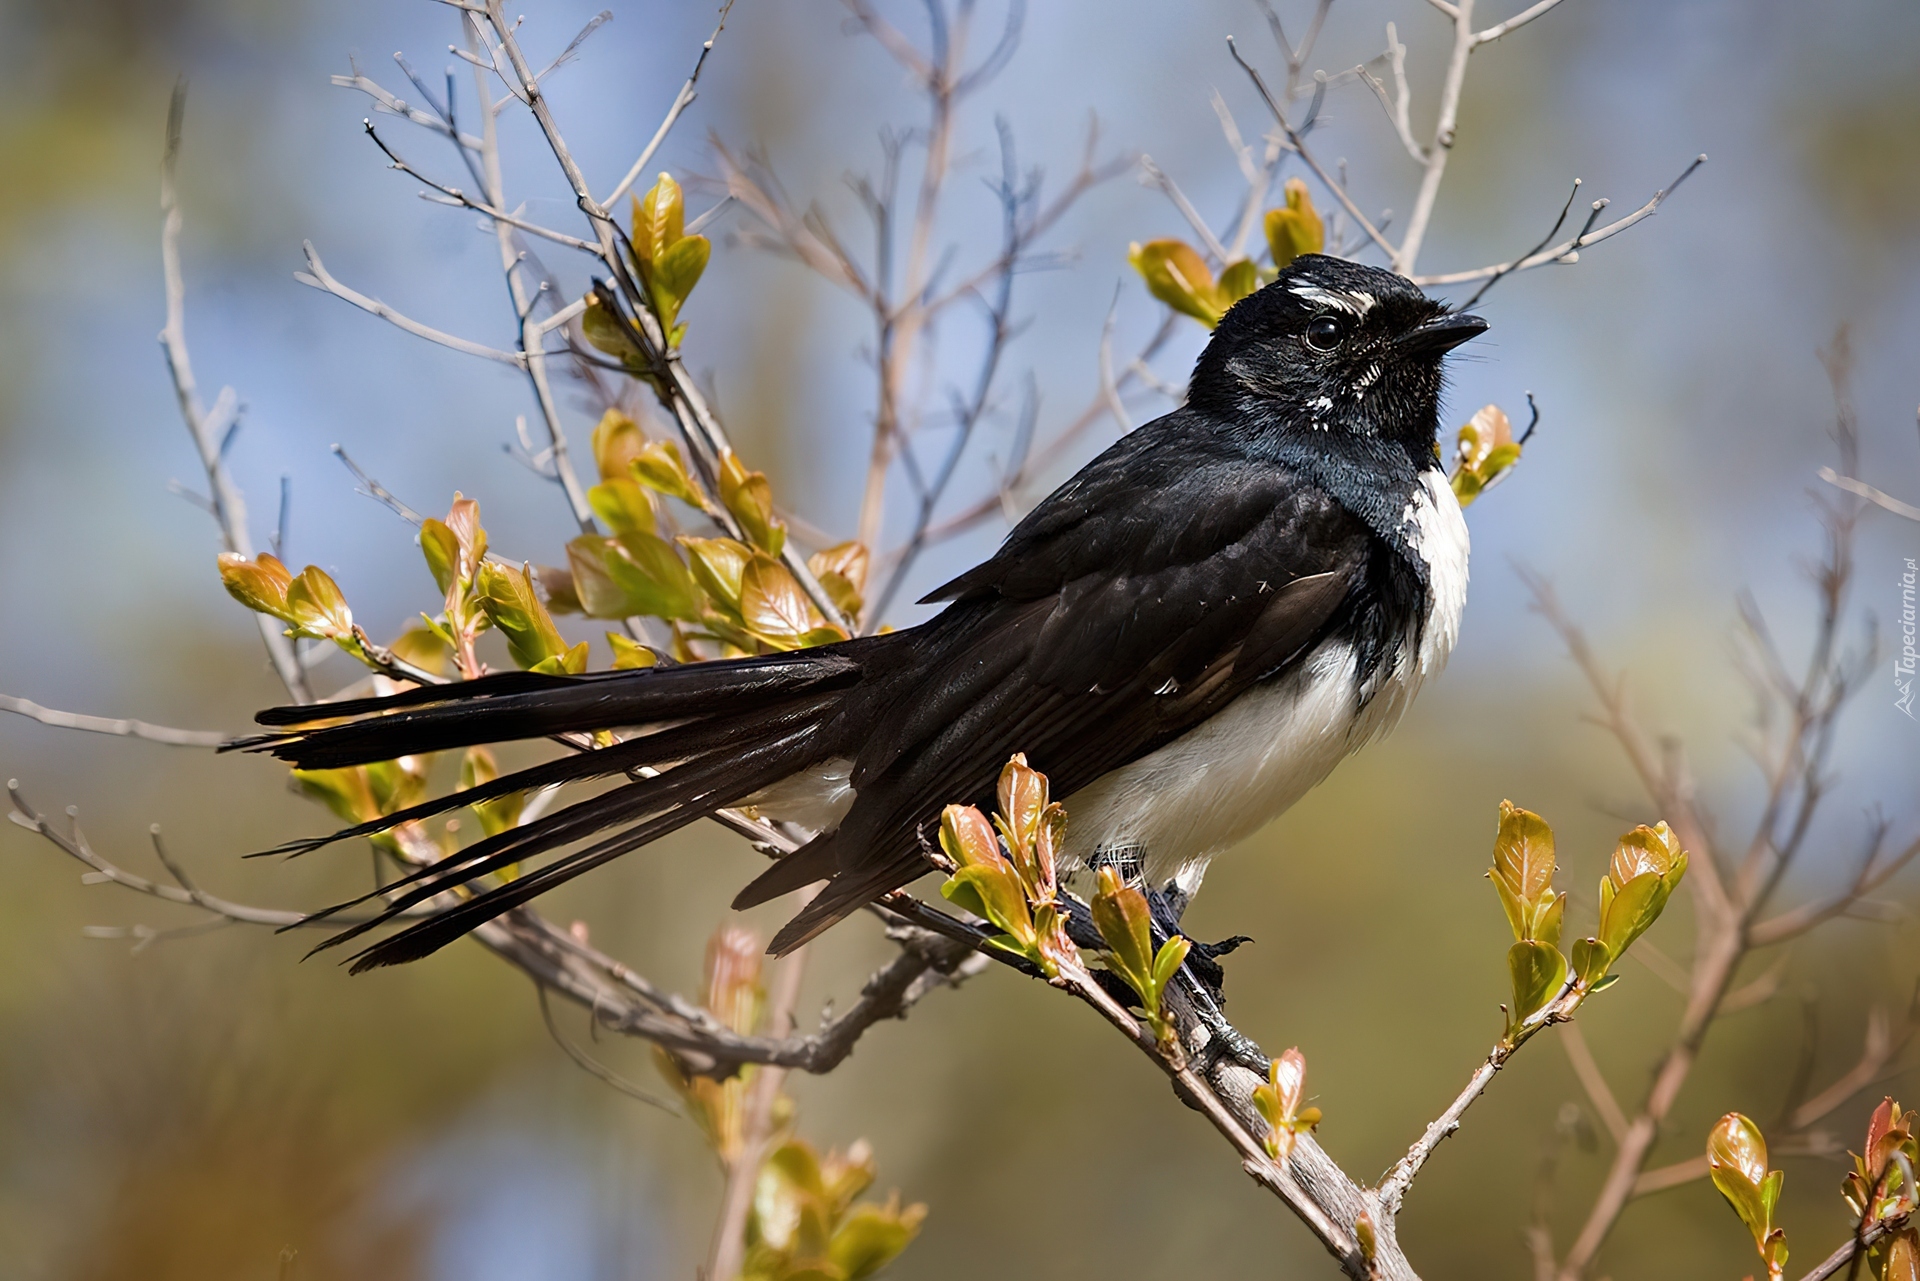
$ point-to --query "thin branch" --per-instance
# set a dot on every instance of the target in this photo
(400, 107)
(1831, 1265)
(318, 277)
(458, 197)
(113, 725)
(375, 490)
(1545, 240)
(1868, 492)
(1593, 1081)
(1681, 1173)
(209, 430)
(1299, 145)
(1521, 19)
(1797, 921)
(565, 56)
(1561, 252)
(681, 101)
(1672, 800)
(1393, 1188)
(1171, 189)
(1884, 1044)
(532, 334)
(592, 1066)
(757, 1129)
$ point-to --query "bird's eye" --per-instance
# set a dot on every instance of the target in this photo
(1323, 333)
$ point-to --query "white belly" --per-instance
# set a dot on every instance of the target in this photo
(1225, 779)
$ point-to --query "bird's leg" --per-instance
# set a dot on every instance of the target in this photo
(1200, 980)
(1195, 990)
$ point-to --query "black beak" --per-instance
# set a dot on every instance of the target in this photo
(1441, 334)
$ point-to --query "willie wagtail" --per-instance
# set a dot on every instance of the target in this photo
(1185, 637)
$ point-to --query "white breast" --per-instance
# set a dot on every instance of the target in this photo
(1225, 779)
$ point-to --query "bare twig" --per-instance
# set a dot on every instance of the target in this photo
(209, 430)
(1562, 252)
(681, 101)
(113, 725)
(1831, 1265)
(318, 277)
(1877, 497)
(1298, 141)
(1574, 1042)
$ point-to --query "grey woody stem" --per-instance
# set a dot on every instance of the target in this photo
(209, 429)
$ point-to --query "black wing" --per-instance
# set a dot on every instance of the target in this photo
(1138, 601)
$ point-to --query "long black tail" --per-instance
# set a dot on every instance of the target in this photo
(712, 734)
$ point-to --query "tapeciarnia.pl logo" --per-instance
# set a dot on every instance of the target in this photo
(1903, 662)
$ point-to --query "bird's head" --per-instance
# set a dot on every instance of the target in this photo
(1334, 349)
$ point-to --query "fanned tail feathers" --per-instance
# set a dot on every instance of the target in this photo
(713, 734)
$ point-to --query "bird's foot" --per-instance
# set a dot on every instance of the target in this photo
(1167, 905)
(1201, 978)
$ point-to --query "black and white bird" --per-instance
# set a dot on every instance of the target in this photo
(1185, 637)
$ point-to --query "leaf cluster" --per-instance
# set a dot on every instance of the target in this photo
(1012, 885)
(1177, 274)
(1646, 866)
(806, 1225)
(1879, 1188)
(736, 595)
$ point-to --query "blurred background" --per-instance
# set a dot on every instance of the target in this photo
(208, 1106)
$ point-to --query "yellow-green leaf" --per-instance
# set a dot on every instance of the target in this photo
(344, 791)
(1538, 972)
(442, 552)
(968, 838)
(501, 813)
(633, 575)
(617, 441)
(872, 1236)
(1237, 279)
(1120, 914)
(1645, 849)
(422, 647)
(260, 584)
(749, 496)
(623, 505)
(718, 565)
(316, 606)
(1001, 899)
(675, 272)
(1523, 852)
(507, 597)
(1590, 961)
(1635, 906)
(571, 663)
(1022, 797)
(1177, 275)
(842, 571)
(629, 653)
(658, 467)
(659, 217)
(773, 606)
(1295, 229)
(1737, 1160)
(606, 333)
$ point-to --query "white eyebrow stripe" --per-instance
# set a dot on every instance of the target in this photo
(1354, 304)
